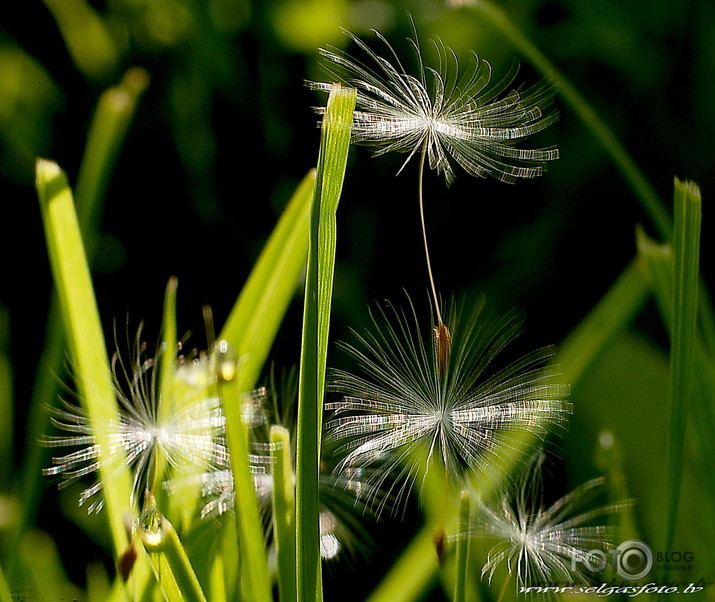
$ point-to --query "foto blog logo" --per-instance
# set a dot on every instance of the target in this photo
(632, 560)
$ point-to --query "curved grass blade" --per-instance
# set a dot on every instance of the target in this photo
(414, 573)
(686, 251)
(107, 132)
(614, 312)
(334, 146)
(114, 113)
(85, 339)
(283, 496)
(253, 322)
(88, 38)
(674, 274)
(171, 565)
(254, 564)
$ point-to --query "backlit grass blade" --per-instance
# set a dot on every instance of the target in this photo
(283, 496)
(674, 272)
(85, 338)
(108, 130)
(659, 264)
(686, 249)
(167, 358)
(258, 312)
(89, 40)
(416, 569)
(254, 564)
(614, 312)
(413, 574)
(254, 320)
(334, 146)
(172, 568)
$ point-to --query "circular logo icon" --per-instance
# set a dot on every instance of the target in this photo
(634, 560)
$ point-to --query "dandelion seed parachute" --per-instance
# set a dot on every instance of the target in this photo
(346, 498)
(463, 118)
(186, 433)
(543, 545)
(405, 409)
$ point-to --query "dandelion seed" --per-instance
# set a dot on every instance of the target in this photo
(443, 114)
(185, 433)
(445, 118)
(543, 545)
(342, 502)
(406, 410)
(345, 495)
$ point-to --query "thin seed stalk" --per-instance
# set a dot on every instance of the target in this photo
(420, 196)
(442, 335)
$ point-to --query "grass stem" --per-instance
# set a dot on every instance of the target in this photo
(332, 160)
(283, 511)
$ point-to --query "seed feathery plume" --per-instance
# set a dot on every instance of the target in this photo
(346, 498)
(444, 118)
(410, 406)
(185, 433)
(543, 545)
(462, 118)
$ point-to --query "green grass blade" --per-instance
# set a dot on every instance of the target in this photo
(85, 339)
(609, 460)
(172, 568)
(686, 251)
(614, 312)
(460, 587)
(167, 359)
(283, 497)
(89, 41)
(334, 146)
(168, 395)
(640, 185)
(254, 563)
(107, 132)
(254, 320)
(257, 314)
(416, 569)
(659, 264)
(115, 111)
(4, 589)
(414, 573)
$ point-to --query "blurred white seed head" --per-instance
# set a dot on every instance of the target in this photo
(346, 495)
(410, 406)
(543, 545)
(461, 119)
(184, 431)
